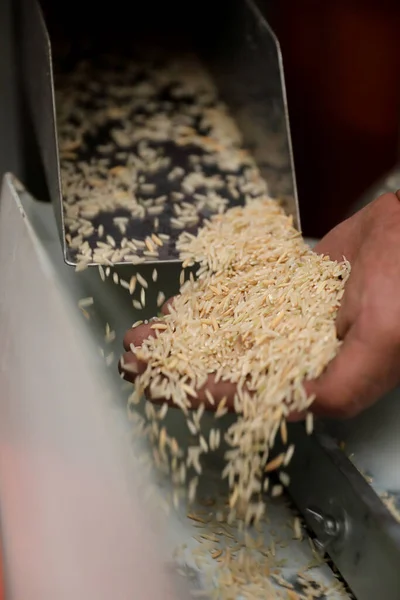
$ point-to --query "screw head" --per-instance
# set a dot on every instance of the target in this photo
(326, 527)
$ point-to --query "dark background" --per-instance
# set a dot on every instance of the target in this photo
(342, 65)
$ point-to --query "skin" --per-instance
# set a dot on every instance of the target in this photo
(368, 363)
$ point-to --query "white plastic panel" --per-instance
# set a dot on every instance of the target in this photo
(73, 523)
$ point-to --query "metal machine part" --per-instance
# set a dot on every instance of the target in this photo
(348, 518)
(328, 528)
(36, 70)
(243, 56)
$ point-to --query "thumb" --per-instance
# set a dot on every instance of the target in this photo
(359, 375)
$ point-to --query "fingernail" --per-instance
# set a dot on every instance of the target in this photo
(130, 368)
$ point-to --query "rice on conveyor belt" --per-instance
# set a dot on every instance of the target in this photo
(145, 148)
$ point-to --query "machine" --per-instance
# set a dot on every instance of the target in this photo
(76, 491)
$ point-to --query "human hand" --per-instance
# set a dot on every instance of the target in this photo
(367, 365)
(131, 366)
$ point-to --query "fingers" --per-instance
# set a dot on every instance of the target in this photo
(347, 314)
(167, 305)
(131, 366)
(137, 335)
(328, 247)
(360, 373)
(218, 391)
(294, 417)
(333, 244)
(343, 324)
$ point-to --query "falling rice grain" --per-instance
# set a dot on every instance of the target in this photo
(124, 284)
(209, 397)
(275, 463)
(222, 409)
(85, 302)
(203, 444)
(163, 411)
(160, 299)
(81, 266)
(109, 359)
(276, 491)
(309, 423)
(288, 455)
(284, 433)
(284, 479)
(101, 273)
(141, 280)
(297, 531)
(159, 326)
(192, 427)
(132, 285)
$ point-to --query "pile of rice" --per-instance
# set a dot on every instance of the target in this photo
(261, 314)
